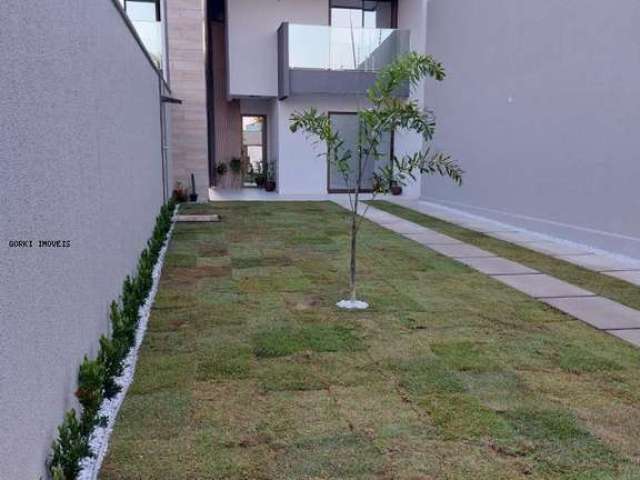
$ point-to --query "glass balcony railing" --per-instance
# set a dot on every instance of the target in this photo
(151, 35)
(342, 48)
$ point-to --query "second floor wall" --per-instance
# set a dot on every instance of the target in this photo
(253, 41)
(363, 36)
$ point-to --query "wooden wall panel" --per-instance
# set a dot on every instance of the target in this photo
(228, 121)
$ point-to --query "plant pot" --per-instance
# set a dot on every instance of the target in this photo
(179, 196)
(260, 181)
(396, 190)
(193, 197)
(269, 185)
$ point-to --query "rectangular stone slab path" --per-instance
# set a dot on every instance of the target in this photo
(599, 312)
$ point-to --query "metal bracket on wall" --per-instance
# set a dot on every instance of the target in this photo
(166, 99)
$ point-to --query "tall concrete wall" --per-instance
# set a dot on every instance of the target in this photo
(80, 161)
(541, 105)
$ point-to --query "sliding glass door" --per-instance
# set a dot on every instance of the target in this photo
(347, 125)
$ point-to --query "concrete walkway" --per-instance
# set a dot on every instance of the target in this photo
(620, 267)
(601, 313)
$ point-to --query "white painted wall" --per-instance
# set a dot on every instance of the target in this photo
(542, 105)
(253, 43)
(300, 169)
(80, 160)
(412, 16)
(274, 120)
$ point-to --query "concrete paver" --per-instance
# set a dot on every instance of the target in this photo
(518, 237)
(497, 266)
(631, 336)
(600, 263)
(599, 312)
(557, 249)
(461, 251)
(631, 276)
(542, 286)
(430, 237)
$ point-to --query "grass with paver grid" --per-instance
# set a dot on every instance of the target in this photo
(248, 371)
(598, 283)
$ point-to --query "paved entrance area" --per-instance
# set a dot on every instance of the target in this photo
(601, 313)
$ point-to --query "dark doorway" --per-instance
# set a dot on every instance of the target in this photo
(254, 148)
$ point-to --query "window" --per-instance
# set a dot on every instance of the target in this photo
(363, 13)
(145, 16)
(143, 10)
(347, 125)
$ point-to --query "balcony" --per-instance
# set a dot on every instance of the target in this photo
(335, 60)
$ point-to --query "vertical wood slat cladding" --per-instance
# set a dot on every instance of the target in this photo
(228, 121)
(185, 22)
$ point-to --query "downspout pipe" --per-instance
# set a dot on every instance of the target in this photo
(164, 146)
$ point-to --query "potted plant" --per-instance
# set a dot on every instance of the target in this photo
(236, 165)
(259, 177)
(221, 169)
(179, 193)
(396, 189)
(270, 182)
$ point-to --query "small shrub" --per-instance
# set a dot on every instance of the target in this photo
(57, 473)
(123, 331)
(144, 279)
(109, 357)
(69, 449)
(90, 392)
(130, 303)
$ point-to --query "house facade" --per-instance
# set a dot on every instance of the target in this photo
(242, 67)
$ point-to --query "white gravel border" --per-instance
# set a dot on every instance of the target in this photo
(99, 441)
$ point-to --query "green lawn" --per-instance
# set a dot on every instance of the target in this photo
(248, 371)
(603, 285)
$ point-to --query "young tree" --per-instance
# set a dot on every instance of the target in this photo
(384, 114)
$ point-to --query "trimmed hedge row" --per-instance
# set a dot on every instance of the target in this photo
(97, 378)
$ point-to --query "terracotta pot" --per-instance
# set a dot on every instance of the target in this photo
(396, 190)
(269, 185)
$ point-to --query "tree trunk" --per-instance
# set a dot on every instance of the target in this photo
(352, 278)
(354, 230)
